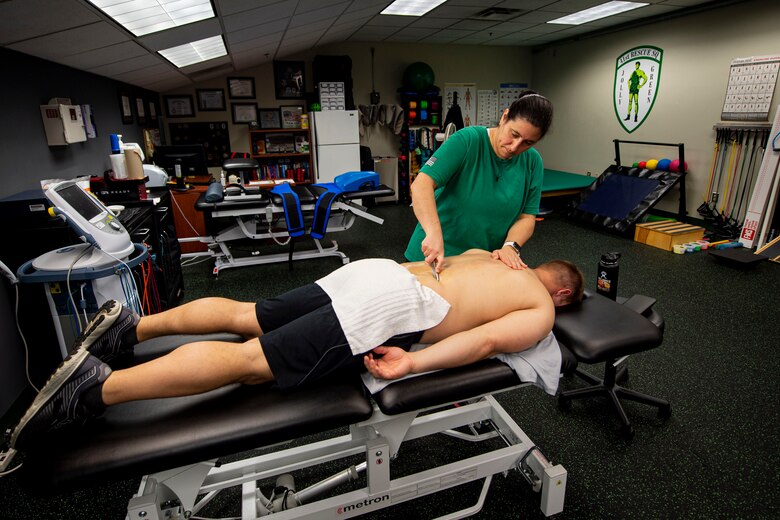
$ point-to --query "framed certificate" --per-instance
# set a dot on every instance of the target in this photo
(244, 113)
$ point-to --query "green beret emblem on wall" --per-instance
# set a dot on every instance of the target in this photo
(637, 77)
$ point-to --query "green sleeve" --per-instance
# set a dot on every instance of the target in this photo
(534, 190)
(448, 159)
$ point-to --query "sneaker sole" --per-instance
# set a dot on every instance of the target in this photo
(105, 317)
(60, 376)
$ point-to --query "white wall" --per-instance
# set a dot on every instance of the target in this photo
(578, 77)
(485, 66)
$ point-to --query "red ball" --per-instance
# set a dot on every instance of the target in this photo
(642, 164)
(674, 166)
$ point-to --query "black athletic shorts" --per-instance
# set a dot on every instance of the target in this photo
(303, 341)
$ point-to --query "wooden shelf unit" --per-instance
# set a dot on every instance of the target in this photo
(282, 165)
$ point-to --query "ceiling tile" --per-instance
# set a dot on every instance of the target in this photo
(472, 25)
(25, 19)
(313, 9)
(228, 7)
(266, 40)
(72, 41)
(252, 33)
(121, 66)
(391, 20)
(103, 56)
(434, 23)
(278, 11)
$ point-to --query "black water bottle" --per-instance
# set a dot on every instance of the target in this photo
(607, 278)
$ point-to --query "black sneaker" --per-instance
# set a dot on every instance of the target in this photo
(103, 336)
(59, 402)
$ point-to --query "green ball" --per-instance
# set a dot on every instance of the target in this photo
(419, 76)
(635, 165)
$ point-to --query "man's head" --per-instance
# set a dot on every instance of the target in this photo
(564, 281)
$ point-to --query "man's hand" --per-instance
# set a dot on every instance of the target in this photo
(394, 363)
(509, 256)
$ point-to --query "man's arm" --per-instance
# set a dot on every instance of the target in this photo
(515, 332)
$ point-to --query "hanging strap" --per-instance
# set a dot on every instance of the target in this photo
(292, 209)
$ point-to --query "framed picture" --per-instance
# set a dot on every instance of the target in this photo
(241, 88)
(210, 99)
(140, 111)
(153, 110)
(179, 105)
(289, 80)
(244, 112)
(125, 108)
(269, 118)
(291, 116)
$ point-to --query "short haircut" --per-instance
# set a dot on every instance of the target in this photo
(568, 276)
(534, 108)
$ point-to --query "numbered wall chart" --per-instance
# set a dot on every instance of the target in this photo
(508, 93)
(750, 89)
(487, 108)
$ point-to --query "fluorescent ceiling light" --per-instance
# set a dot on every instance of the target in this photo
(148, 16)
(412, 7)
(195, 52)
(598, 12)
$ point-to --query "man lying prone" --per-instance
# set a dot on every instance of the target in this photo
(374, 309)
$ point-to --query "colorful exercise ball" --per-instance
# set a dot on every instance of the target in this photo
(663, 164)
(674, 166)
(652, 164)
(642, 164)
(419, 76)
(635, 165)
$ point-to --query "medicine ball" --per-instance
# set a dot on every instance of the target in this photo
(419, 76)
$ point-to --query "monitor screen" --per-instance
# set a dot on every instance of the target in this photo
(80, 201)
(192, 159)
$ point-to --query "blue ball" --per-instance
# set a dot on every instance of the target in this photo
(663, 164)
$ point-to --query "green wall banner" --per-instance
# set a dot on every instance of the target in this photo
(637, 76)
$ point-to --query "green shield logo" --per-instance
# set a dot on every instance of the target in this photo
(637, 76)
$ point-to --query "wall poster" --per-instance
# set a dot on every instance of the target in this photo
(637, 76)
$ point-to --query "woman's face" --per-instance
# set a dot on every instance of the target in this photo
(515, 136)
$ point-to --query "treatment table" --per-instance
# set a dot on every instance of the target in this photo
(239, 213)
(192, 448)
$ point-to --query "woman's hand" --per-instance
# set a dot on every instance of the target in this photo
(510, 257)
(394, 363)
(433, 250)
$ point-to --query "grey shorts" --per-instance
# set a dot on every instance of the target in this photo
(303, 341)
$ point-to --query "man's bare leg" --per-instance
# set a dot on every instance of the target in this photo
(203, 316)
(190, 369)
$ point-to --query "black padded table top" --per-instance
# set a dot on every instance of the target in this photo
(454, 384)
(141, 437)
(599, 329)
(307, 194)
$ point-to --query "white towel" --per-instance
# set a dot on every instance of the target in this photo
(376, 299)
(540, 365)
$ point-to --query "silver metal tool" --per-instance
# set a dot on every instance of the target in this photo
(433, 268)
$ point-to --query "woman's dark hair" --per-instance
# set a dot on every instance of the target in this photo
(534, 108)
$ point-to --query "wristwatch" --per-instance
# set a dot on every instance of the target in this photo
(513, 245)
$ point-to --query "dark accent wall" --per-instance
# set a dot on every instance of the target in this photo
(26, 83)
(25, 157)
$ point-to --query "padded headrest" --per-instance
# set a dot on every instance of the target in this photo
(240, 164)
(599, 329)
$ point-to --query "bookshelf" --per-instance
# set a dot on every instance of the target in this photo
(283, 153)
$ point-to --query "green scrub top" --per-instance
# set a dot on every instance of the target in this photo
(479, 196)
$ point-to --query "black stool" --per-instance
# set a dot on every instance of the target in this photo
(601, 330)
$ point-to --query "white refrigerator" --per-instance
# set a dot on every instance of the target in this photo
(335, 143)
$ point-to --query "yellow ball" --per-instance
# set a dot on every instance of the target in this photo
(651, 164)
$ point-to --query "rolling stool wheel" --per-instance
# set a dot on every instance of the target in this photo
(627, 432)
(564, 403)
(665, 412)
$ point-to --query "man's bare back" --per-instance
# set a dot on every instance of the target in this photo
(480, 290)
